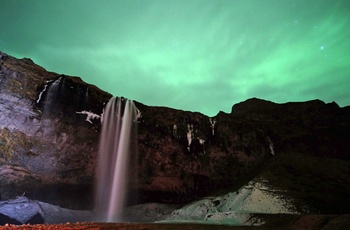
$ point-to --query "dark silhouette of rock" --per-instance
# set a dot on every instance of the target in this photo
(312, 127)
(8, 220)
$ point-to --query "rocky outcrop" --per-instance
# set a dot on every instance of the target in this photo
(49, 131)
(20, 211)
(45, 143)
(312, 127)
(23, 211)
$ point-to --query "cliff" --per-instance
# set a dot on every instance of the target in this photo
(44, 145)
(48, 145)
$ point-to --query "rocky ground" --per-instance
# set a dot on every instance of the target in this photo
(125, 226)
(314, 222)
(145, 216)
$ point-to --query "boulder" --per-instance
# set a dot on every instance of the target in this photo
(20, 211)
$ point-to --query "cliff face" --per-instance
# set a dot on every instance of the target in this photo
(184, 154)
(48, 146)
(45, 143)
(311, 127)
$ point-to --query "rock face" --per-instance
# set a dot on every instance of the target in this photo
(44, 143)
(184, 155)
(311, 127)
(49, 131)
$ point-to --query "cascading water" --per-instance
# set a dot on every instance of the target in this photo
(116, 144)
(51, 95)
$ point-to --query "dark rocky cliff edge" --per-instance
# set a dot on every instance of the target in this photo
(48, 151)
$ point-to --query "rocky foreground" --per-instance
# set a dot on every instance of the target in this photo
(315, 222)
(39, 215)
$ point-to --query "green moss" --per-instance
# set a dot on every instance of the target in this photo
(14, 144)
(6, 146)
(27, 78)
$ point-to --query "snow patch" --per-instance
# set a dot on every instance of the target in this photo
(272, 151)
(236, 208)
(138, 114)
(201, 141)
(189, 135)
(90, 115)
(41, 93)
(174, 130)
(212, 124)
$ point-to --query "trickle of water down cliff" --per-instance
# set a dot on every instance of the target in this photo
(116, 145)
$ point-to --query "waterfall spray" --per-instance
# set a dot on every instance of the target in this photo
(116, 142)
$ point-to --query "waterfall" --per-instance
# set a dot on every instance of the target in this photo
(116, 144)
(48, 96)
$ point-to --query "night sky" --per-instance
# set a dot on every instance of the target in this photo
(197, 55)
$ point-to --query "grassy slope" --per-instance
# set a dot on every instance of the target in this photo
(322, 183)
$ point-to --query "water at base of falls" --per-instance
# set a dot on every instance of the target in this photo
(116, 144)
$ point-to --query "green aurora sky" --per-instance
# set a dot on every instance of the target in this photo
(197, 55)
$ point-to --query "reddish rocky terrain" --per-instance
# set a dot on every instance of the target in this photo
(310, 222)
